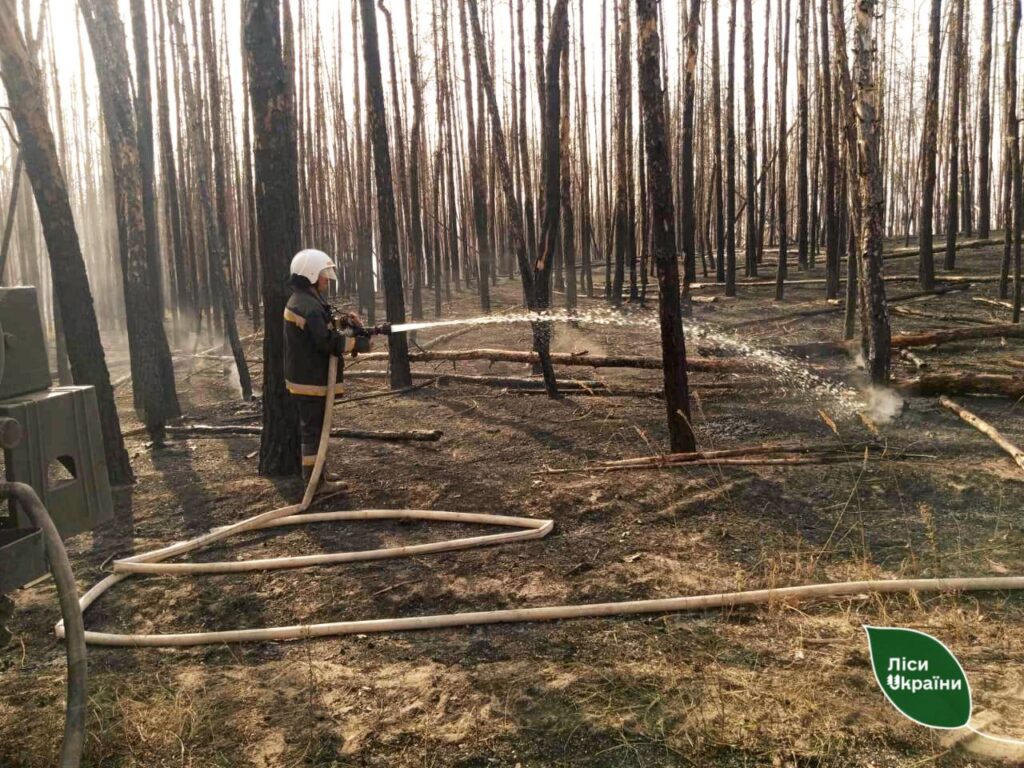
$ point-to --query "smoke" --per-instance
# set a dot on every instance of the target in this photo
(883, 405)
(570, 340)
(234, 380)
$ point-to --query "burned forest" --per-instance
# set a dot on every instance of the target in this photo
(515, 383)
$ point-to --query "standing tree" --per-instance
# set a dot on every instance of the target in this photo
(803, 131)
(716, 117)
(831, 162)
(750, 132)
(152, 367)
(277, 215)
(67, 266)
(730, 159)
(416, 149)
(686, 194)
(782, 152)
(953, 179)
(391, 269)
(1011, 143)
(926, 274)
(874, 312)
(985, 124)
(673, 344)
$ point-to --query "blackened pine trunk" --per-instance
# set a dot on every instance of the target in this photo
(524, 150)
(277, 206)
(953, 179)
(730, 160)
(586, 210)
(144, 122)
(387, 247)
(686, 192)
(782, 150)
(67, 265)
(1011, 143)
(831, 162)
(673, 344)
(416, 149)
(716, 116)
(803, 130)
(750, 132)
(929, 132)
(152, 367)
(985, 125)
(565, 183)
(515, 215)
(551, 150)
(623, 79)
(874, 312)
(476, 172)
(1018, 220)
(213, 164)
(848, 206)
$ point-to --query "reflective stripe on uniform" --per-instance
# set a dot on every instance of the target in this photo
(311, 390)
(294, 317)
(350, 343)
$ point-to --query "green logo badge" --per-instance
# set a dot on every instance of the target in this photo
(920, 677)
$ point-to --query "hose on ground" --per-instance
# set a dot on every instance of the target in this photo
(152, 563)
(67, 593)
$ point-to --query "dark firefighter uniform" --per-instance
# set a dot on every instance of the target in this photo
(309, 340)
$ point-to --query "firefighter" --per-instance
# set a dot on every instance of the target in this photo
(312, 333)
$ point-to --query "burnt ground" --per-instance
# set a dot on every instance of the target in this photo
(777, 685)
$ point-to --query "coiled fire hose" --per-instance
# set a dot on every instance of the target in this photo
(67, 593)
(153, 562)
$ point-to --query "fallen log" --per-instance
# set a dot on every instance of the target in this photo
(932, 384)
(993, 302)
(909, 312)
(219, 430)
(697, 364)
(986, 429)
(750, 455)
(512, 382)
(907, 340)
(966, 245)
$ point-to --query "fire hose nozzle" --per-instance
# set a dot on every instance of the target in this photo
(384, 329)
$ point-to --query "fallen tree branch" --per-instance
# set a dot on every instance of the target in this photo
(387, 393)
(757, 454)
(822, 281)
(697, 364)
(219, 430)
(931, 384)
(986, 429)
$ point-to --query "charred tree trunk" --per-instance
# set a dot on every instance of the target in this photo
(673, 345)
(415, 152)
(1011, 142)
(782, 152)
(750, 132)
(874, 312)
(929, 149)
(953, 179)
(67, 266)
(985, 125)
(803, 131)
(152, 368)
(730, 158)
(568, 223)
(623, 78)
(686, 191)
(277, 204)
(832, 257)
(391, 269)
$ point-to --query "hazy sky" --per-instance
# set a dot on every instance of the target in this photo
(904, 17)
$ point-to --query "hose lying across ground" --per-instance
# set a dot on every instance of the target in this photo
(152, 562)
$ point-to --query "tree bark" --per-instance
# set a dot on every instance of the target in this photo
(953, 142)
(929, 132)
(391, 269)
(673, 345)
(985, 124)
(875, 334)
(152, 368)
(277, 205)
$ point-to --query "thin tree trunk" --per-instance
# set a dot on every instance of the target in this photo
(928, 149)
(673, 345)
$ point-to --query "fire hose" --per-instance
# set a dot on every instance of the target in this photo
(67, 593)
(153, 563)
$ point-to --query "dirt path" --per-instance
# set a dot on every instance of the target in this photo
(782, 685)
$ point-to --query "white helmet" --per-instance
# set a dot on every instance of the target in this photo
(310, 263)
